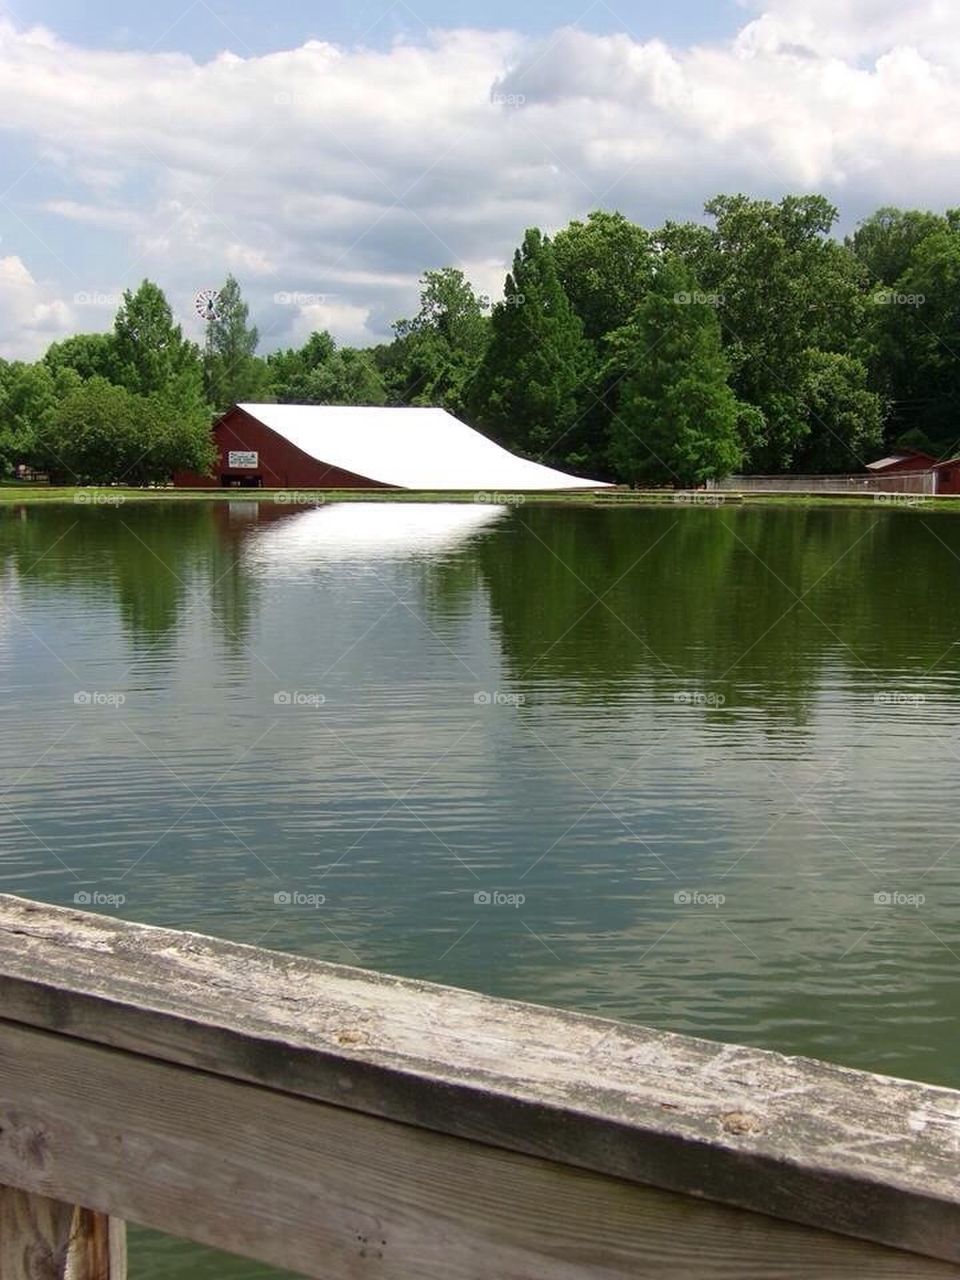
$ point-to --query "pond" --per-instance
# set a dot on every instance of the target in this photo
(691, 767)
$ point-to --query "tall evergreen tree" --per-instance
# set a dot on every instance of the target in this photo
(530, 386)
(605, 266)
(677, 418)
(231, 370)
(163, 373)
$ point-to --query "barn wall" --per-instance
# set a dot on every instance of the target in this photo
(948, 478)
(282, 464)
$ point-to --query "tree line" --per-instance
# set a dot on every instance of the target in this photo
(757, 341)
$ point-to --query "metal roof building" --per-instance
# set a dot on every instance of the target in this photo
(284, 446)
(905, 460)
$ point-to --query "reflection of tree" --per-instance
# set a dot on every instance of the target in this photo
(231, 586)
(153, 560)
(745, 602)
(88, 550)
(452, 581)
(692, 599)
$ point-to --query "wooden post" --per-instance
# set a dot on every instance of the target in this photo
(98, 1247)
(42, 1239)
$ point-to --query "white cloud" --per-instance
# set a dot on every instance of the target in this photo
(244, 259)
(350, 323)
(346, 173)
(31, 314)
(94, 214)
(859, 29)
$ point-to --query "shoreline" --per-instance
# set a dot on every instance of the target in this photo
(14, 494)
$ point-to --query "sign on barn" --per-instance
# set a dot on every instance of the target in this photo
(243, 460)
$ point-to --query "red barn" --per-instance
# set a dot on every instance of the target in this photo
(292, 446)
(250, 455)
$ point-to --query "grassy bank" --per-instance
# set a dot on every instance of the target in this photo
(14, 494)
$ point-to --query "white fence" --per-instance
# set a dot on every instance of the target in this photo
(905, 482)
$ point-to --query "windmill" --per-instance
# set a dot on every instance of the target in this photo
(205, 305)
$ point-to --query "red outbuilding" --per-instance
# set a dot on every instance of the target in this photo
(902, 460)
(948, 476)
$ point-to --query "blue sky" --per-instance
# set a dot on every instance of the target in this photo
(327, 155)
(250, 26)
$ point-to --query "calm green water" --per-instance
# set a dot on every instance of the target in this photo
(607, 712)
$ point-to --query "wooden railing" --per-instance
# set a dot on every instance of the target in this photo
(345, 1124)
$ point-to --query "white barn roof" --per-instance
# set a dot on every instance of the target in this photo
(408, 448)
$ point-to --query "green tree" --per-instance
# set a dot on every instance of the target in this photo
(320, 373)
(844, 420)
(102, 433)
(290, 370)
(151, 352)
(179, 440)
(784, 287)
(98, 432)
(693, 243)
(349, 377)
(89, 354)
(529, 388)
(885, 242)
(916, 338)
(450, 309)
(677, 419)
(916, 439)
(606, 267)
(232, 372)
(435, 354)
(29, 395)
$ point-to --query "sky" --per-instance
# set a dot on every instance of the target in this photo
(327, 154)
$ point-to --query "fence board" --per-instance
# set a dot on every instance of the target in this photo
(845, 1151)
(338, 1195)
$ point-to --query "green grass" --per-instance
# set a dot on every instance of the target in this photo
(92, 496)
(11, 493)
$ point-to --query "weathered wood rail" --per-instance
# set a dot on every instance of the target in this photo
(348, 1125)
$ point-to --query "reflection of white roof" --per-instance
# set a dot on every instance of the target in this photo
(408, 448)
(359, 531)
